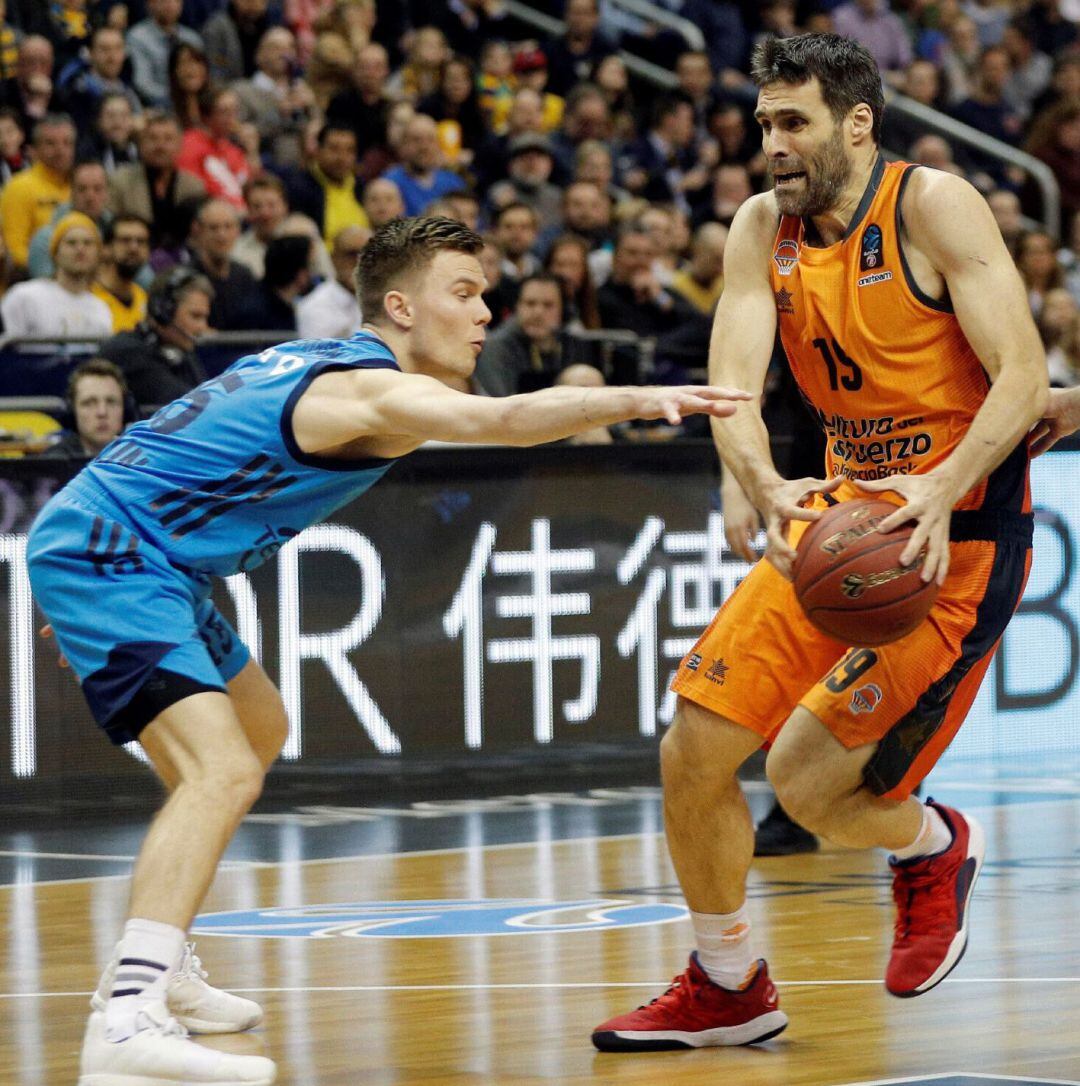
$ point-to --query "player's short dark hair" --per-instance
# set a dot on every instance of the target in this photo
(402, 247)
(845, 71)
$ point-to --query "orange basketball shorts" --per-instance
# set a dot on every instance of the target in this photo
(760, 657)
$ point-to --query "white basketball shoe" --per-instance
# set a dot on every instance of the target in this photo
(161, 1054)
(195, 1004)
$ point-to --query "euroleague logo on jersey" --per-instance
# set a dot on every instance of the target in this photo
(786, 256)
(872, 258)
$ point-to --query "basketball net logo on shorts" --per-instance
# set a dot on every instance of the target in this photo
(436, 919)
(866, 699)
(786, 256)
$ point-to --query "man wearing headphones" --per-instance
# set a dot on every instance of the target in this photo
(100, 407)
(158, 358)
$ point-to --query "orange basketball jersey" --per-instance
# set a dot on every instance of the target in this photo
(885, 368)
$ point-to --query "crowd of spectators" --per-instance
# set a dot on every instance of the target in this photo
(255, 144)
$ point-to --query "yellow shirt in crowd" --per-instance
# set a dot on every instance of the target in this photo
(124, 317)
(27, 204)
(342, 207)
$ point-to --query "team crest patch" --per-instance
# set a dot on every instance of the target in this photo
(871, 248)
(866, 699)
(436, 919)
(786, 256)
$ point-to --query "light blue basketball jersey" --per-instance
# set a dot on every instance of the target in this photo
(215, 479)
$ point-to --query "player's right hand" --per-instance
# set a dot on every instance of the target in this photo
(782, 503)
(47, 632)
(675, 402)
(1061, 418)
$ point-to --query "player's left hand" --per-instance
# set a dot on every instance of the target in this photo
(929, 502)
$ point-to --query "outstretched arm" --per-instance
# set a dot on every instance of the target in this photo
(386, 403)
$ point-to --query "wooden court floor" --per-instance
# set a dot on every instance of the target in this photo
(351, 999)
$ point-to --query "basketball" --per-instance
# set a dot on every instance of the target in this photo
(849, 580)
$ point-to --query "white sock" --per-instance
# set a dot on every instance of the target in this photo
(723, 947)
(934, 836)
(148, 955)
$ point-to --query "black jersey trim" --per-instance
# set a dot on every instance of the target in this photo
(329, 463)
(939, 305)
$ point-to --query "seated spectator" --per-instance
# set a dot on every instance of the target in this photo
(935, 152)
(125, 252)
(530, 165)
(420, 177)
(879, 30)
(103, 75)
(573, 57)
(462, 207)
(586, 119)
(90, 195)
(64, 305)
(697, 83)
(212, 152)
(633, 298)
(987, 110)
(516, 229)
(455, 109)
(1032, 69)
(30, 91)
(111, 139)
(214, 232)
(1005, 207)
(495, 83)
(13, 156)
(29, 199)
(276, 100)
(585, 212)
(593, 163)
(502, 291)
(420, 74)
(528, 351)
(9, 45)
(701, 280)
(96, 396)
(1037, 263)
(468, 24)
(1055, 139)
(189, 83)
(731, 189)
(331, 310)
(669, 238)
(921, 83)
(155, 189)
(531, 73)
(149, 44)
(382, 202)
(739, 143)
(328, 191)
(581, 375)
(613, 81)
(1065, 83)
(269, 217)
(960, 59)
(364, 107)
(272, 306)
(232, 36)
(158, 358)
(1057, 329)
(568, 261)
(662, 165)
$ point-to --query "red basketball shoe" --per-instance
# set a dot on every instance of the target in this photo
(696, 1013)
(932, 896)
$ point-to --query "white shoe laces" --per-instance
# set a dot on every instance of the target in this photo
(157, 1020)
(191, 965)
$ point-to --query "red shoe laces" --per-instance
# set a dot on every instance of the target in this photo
(684, 987)
(921, 906)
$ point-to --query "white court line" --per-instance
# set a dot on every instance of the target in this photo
(965, 1074)
(555, 986)
(29, 855)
